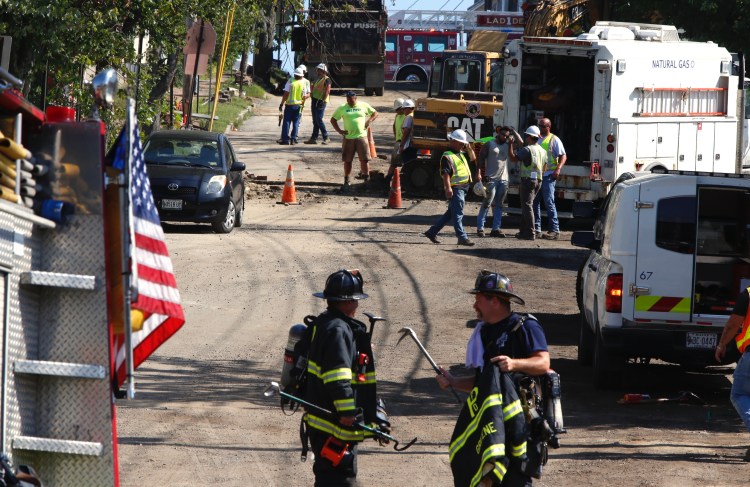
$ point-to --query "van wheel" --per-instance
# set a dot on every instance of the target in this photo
(579, 284)
(608, 367)
(585, 342)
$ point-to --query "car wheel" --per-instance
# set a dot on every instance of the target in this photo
(240, 213)
(227, 224)
(585, 342)
(413, 75)
(607, 366)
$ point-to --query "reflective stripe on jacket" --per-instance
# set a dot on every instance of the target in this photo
(743, 339)
(461, 172)
(296, 88)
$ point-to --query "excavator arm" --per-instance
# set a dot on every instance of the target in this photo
(560, 18)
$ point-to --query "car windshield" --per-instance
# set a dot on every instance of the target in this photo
(182, 152)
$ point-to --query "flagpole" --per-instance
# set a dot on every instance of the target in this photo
(128, 240)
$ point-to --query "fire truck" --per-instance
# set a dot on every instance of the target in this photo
(409, 53)
(349, 37)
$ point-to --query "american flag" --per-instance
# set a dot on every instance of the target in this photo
(154, 283)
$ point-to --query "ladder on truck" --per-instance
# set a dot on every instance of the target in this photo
(466, 21)
(681, 102)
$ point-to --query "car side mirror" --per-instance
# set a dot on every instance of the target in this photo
(585, 239)
(238, 166)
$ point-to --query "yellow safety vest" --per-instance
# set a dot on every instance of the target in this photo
(295, 92)
(319, 89)
(743, 339)
(538, 156)
(461, 173)
(551, 159)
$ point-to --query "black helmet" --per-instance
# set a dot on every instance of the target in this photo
(343, 285)
(493, 283)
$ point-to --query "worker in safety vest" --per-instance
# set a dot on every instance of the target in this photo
(531, 160)
(291, 103)
(556, 158)
(321, 91)
(456, 175)
(737, 329)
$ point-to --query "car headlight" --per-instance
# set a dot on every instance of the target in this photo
(216, 184)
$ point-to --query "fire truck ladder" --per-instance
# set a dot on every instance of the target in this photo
(465, 21)
(681, 102)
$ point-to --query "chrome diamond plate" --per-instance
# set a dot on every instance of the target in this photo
(57, 279)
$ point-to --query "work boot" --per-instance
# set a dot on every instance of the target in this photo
(310, 141)
(747, 456)
(282, 142)
(538, 234)
(522, 236)
(465, 242)
(480, 232)
(551, 235)
(433, 238)
(325, 140)
(497, 234)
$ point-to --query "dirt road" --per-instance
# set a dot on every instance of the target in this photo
(200, 418)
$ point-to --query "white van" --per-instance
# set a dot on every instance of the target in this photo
(669, 255)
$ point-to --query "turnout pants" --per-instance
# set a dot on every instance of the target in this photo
(326, 475)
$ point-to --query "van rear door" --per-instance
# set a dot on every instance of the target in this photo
(663, 281)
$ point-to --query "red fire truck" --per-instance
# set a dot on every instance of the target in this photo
(409, 53)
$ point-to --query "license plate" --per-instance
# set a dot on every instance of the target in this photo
(171, 204)
(700, 340)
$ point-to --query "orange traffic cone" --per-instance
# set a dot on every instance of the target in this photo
(394, 199)
(289, 195)
(371, 141)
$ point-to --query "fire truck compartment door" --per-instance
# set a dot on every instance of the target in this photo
(666, 246)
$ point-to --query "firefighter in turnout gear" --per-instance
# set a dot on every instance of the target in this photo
(341, 378)
(503, 344)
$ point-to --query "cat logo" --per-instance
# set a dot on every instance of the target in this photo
(473, 110)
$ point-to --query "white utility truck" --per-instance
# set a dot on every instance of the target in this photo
(626, 98)
(670, 254)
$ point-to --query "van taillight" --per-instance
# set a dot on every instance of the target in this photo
(613, 291)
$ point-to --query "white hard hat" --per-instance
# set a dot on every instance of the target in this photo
(303, 67)
(460, 136)
(322, 67)
(533, 130)
(408, 104)
(479, 190)
(300, 72)
(398, 103)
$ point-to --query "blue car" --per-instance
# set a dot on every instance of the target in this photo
(195, 177)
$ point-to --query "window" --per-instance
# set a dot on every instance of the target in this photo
(437, 44)
(462, 75)
(497, 71)
(675, 224)
(390, 43)
(418, 44)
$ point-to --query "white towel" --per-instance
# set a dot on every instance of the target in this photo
(475, 348)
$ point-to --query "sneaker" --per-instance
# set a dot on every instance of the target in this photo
(465, 242)
(433, 238)
(551, 235)
(522, 236)
(310, 142)
(293, 142)
(325, 140)
(538, 234)
(480, 232)
(497, 234)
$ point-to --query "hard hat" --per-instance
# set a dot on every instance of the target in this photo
(459, 136)
(494, 283)
(303, 67)
(299, 71)
(533, 130)
(322, 67)
(408, 104)
(343, 285)
(479, 190)
(398, 103)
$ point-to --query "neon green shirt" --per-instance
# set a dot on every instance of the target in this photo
(354, 118)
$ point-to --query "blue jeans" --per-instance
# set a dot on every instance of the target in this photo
(495, 194)
(291, 118)
(741, 388)
(547, 195)
(455, 213)
(318, 109)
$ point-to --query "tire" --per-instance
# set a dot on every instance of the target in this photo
(585, 342)
(240, 213)
(227, 224)
(608, 367)
(579, 285)
(411, 74)
(419, 177)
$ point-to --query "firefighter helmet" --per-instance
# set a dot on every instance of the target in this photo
(489, 282)
(343, 285)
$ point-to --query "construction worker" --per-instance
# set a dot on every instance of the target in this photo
(295, 94)
(556, 158)
(509, 341)
(532, 159)
(492, 170)
(737, 329)
(398, 121)
(357, 118)
(341, 378)
(404, 150)
(456, 175)
(321, 91)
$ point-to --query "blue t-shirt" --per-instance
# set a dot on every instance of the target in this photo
(499, 339)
